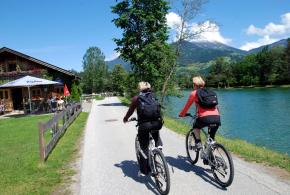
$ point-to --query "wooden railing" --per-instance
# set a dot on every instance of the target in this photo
(52, 130)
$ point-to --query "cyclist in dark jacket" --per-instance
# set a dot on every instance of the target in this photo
(144, 128)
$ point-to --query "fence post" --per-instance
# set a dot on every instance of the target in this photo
(41, 142)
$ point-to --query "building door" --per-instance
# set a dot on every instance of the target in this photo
(17, 98)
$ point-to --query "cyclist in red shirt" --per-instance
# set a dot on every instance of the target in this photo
(205, 116)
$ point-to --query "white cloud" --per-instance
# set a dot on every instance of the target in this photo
(173, 20)
(260, 42)
(211, 31)
(270, 33)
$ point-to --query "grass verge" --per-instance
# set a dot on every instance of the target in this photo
(245, 150)
(124, 101)
(99, 97)
(20, 167)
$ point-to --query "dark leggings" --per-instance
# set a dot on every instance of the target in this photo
(212, 122)
(212, 131)
(143, 136)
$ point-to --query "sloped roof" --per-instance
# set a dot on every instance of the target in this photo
(5, 49)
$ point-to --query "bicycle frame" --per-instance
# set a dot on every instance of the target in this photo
(151, 147)
(213, 154)
(209, 142)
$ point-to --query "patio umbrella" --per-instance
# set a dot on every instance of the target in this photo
(28, 81)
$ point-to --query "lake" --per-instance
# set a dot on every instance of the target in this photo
(258, 115)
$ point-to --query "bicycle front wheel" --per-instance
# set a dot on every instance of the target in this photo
(161, 176)
(223, 166)
(192, 152)
(137, 149)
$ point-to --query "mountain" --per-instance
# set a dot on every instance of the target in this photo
(196, 52)
(282, 42)
(193, 52)
(203, 52)
(118, 60)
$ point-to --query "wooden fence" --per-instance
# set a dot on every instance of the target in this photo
(52, 130)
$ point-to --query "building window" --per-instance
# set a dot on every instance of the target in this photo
(11, 67)
(1, 94)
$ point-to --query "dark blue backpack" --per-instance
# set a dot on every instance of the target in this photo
(207, 98)
(148, 107)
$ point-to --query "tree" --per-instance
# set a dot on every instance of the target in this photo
(286, 65)
(95, 71)
(188, 10)
(119, 77)
(75, 92)
(144, 39)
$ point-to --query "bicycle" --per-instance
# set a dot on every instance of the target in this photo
(157, 163)
(214, 154)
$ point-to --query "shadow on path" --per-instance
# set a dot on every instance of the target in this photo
(130, 169)
(112, 104)
(181, 163)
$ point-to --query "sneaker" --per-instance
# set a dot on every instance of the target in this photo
(160, 147)
(140, 174)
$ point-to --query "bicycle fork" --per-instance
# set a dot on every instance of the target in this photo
(151, 163)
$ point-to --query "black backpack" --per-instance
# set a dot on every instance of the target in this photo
(148, 107)
(207, 98)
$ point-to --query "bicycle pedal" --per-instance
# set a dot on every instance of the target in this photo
(154, 173)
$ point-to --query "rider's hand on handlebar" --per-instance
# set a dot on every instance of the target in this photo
(188, 114)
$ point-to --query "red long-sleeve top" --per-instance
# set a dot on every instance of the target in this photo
(201, 112)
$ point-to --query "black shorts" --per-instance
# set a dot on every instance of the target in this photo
(205, 121)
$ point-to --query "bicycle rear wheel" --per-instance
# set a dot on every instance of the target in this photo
(223, 167)
(192, 152)
(162, 177)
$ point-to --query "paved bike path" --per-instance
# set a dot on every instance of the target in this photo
(109, 162)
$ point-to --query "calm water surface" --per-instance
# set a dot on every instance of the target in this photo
(259, 116)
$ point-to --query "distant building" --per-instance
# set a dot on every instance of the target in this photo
(14, 65)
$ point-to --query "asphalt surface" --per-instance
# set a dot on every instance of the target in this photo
(109, 163)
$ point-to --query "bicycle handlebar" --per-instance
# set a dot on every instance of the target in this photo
(189, 114)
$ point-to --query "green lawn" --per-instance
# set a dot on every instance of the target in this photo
(20, 167)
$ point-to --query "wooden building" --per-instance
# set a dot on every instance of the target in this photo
(14, 65)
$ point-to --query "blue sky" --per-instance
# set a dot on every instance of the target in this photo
(60, 31)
